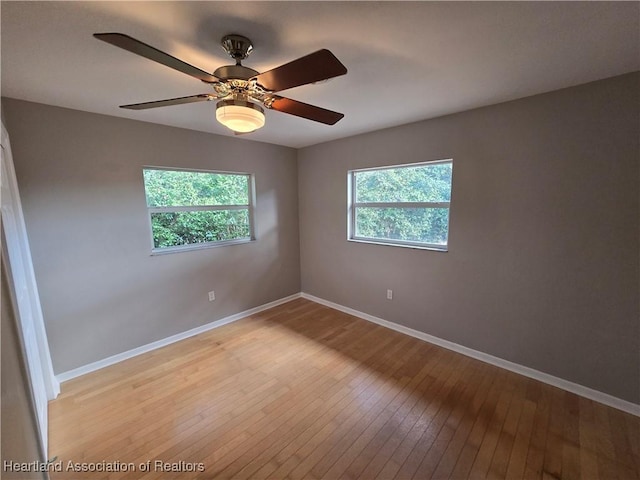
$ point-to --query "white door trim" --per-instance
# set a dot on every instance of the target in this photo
(44, 384)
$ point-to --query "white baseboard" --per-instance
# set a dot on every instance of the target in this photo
(92, 367)
(581, 390)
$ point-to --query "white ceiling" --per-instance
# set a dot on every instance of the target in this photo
(407, 61)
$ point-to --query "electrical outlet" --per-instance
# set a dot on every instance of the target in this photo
(389, 294)
(212, 296)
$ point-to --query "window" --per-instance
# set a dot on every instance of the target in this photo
(405, 205)
(194, 209)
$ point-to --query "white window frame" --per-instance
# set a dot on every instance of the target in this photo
(192, 208)
(353, 205)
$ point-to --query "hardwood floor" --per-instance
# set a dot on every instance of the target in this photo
(304, 391)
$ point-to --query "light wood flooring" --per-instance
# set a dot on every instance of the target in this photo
(304, 391)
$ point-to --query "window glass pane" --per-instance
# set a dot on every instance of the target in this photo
(185, 228)
(425, 225)
(424, 183)
(175, 188)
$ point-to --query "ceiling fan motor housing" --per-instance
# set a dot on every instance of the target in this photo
(239, 72)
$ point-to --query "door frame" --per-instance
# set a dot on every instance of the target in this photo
(30, 320)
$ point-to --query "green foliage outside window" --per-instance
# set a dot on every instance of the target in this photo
(425, 183)
(423, 225)
(185, 228)
(176, 188)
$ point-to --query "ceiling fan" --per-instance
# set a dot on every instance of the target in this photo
(241, 90)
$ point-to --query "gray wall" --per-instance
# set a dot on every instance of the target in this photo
(542, 268)
(20, 441)
(80, 178)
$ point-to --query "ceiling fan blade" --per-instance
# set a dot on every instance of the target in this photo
(171, 101)
(317, 66)
(136, 46)
(304, 110)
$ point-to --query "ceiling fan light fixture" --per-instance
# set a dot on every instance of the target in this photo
(239, 115)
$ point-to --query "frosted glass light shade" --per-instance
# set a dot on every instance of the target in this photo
(239, 115)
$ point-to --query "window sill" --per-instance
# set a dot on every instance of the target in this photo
(198, 246)
(435, 248)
